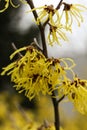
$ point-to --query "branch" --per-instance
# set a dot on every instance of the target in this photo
(56, 112)
(15, 48)
(36, 45)
(61, 99)
(59, 4)
(41, 28)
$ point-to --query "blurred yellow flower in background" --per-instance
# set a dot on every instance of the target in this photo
(7, 2)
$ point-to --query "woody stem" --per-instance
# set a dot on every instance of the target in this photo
(41, 27)
(56, 112)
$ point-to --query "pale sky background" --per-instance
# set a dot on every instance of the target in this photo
(77, 40)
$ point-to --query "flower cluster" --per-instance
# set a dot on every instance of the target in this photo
(46, 14)
(76, 91)
(34, 73)
(59, 21)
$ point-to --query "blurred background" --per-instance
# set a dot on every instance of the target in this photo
(17, 26)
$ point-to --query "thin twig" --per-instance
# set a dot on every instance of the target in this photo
(61, 99)
(36, 45)
(15, 48)
(12, 121)
(22, 112)
(59, 4)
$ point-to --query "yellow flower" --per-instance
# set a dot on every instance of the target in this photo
(72, 12)
(56, 73)
(28, 72)
(46, 13)
(76, 91)
(33, 73)
(56, 34)
(78, 95)
(7, 5)
(7, 2)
